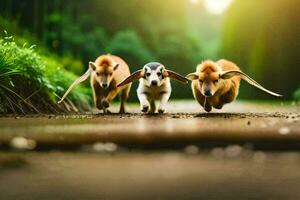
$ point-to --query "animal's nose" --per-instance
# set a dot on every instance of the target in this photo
(207, 93)
(104, 85)
(154, 83)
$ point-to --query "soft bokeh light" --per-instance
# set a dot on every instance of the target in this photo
(195, 1)
(217, 6)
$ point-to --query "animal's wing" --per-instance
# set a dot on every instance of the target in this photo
(76, 82)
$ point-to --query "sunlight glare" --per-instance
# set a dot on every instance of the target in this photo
(217, 7)
(195, 2)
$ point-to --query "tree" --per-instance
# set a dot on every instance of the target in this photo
(262, 37)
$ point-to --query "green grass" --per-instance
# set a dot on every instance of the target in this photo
(31, 82)
(297, 94)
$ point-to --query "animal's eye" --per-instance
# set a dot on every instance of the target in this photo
(201, 81)
(158, 73)
(148, 74)
(110, 74)
(216, 81)
(97, 73)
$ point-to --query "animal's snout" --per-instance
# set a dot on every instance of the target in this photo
(105, 85)
(154, 83)
(208, 93)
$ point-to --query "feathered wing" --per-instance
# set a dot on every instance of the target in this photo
(176, 76)
(248, 79)
(76, 82)
(135, 76)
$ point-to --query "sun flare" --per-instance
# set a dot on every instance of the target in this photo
(216, 7)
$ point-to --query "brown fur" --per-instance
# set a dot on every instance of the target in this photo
(225, 91)
(104, 71)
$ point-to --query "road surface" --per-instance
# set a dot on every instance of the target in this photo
(246, 151)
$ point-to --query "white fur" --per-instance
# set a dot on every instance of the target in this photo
(149, 94)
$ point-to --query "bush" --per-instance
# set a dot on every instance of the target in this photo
(128, 44)
(31, 83)
(264, 43)
(297, 94)
(22, 36)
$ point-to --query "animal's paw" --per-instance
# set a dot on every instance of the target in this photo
(161, 110)
(99, 106)
(122, 111)
(105, 103)
(145, 108)
(218, 106)
(106, 111)
(208, 109)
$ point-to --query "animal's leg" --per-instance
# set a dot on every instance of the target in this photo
(207, 107)
(105, 105)
(164, 98)
(107, 100)
(144, 102)
(98, 103)
(97, 96)
(199, 97)
(123, 98)
(228, 97)
(225, 98)
(152, 106)
(219, 106)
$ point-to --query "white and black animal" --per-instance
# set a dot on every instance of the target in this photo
(154, 85)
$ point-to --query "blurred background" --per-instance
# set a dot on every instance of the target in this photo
(46, 44)
(248, 150)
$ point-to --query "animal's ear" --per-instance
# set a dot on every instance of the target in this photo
(230, 74)
(192, 76)
(248, 79)
(176, 76)
(135, 76)
(92, 65)
(116, 66)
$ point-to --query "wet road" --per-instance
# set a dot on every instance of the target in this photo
(246, 151)
(216, 174)
(183, 123)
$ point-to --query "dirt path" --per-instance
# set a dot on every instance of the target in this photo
(159, 175)
(184, 154)
(184, 123)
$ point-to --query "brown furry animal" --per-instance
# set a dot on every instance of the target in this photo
(217, 83)
(106, 73)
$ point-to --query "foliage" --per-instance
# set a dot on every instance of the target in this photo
(129, 45)
(297, 94)
(264, 42)
(178, 34)
(30, 82)
(22, 36)
(86, 45)
(86, 29)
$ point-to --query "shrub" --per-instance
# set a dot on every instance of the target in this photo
(31, 83)
(128, 44)
(297, 94)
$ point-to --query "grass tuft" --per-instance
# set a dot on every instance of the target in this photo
(31, 82)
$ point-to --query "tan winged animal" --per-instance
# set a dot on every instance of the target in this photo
(106, 73)
(217, 83)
